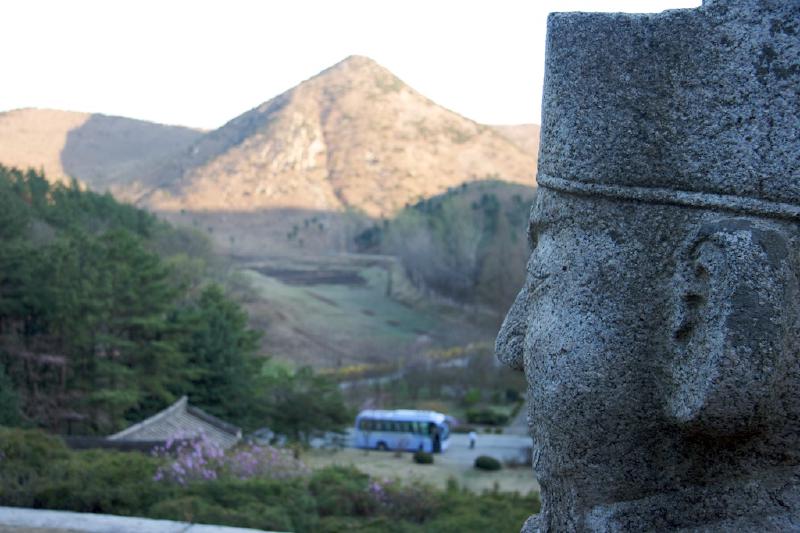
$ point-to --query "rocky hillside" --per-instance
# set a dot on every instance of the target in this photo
(526, 136)
(352, 137)
(103, 152)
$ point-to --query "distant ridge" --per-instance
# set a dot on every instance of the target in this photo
(103, 152)
(353, 137)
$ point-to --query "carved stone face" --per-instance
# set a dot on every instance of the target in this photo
(643, 328)
(582, 331)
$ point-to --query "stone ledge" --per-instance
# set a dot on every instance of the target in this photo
(43, 519)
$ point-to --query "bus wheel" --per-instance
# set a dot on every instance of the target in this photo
(382, 446)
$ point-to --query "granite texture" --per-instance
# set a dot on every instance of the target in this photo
(702, 100)
(660, 338)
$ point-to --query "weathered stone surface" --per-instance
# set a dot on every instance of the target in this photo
(659, 327)
(700, 100)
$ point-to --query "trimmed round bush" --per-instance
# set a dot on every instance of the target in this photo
(486, 416)
(484, 462)
(423, 458)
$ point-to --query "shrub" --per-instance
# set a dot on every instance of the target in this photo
(194, 459)
(270, 504)
(423, 458)
(488, 512)
(101, 481)
(485, 462)
(200, 510)
(486, 416)
(31, 447)
(25, 456)
(413, 502)
(342, 491)
(265, 461)
(462, 428)
(377, 524)
(39, 471)
(199, 458)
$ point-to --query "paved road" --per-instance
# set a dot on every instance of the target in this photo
(501, 447)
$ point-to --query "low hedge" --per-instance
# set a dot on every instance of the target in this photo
(423, 458)
(39, 471)
(485, 462)
(486, 416)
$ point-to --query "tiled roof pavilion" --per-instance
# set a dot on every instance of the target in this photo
(181, 420)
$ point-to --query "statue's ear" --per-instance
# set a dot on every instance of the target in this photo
(735, 328)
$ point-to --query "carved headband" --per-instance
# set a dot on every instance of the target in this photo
(653, 195)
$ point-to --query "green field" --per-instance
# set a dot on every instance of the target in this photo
(347, 310)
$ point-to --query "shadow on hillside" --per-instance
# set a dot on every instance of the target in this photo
(106, 151)
(279, 232)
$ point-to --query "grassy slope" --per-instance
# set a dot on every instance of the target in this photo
(332, 324)
(329, 322)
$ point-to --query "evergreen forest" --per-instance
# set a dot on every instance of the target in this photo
(108, 315)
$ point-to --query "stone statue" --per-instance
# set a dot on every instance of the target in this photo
(659, 326)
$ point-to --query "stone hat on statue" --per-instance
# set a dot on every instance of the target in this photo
(688, 107)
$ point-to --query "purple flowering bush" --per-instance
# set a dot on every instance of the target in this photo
(197, 458)
(189, 459)
(264, 461)
(244, 487)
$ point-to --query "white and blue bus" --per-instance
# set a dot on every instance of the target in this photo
(402, 429)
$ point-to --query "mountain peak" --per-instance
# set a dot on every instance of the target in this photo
(352, 137)
(358, 69)
(357, 61)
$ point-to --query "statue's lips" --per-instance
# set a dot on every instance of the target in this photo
(654, 195)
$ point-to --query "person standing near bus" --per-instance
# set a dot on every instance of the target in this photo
(473, 437)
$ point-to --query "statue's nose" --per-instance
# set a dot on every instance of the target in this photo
(508, 347)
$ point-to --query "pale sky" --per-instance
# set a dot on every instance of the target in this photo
(201, 63)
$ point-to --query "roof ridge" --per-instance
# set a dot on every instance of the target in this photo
(177, 406)
(213, 420)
